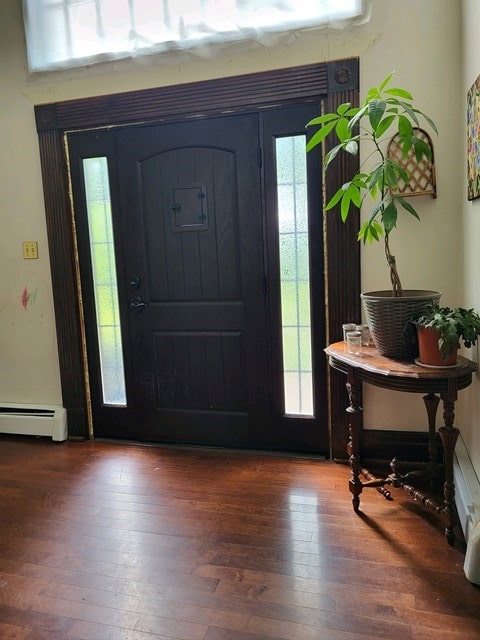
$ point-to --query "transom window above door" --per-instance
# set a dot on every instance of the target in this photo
(71, 33)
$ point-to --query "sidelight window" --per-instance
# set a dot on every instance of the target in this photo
(294, 274)
(102, 252)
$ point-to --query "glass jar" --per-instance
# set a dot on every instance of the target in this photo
(354, 342)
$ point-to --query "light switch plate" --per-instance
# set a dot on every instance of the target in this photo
(30, 250)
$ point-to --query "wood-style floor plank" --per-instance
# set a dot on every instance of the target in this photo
(105, 541)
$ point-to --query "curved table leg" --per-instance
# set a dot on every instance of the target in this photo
(355, 424)
(449, 435)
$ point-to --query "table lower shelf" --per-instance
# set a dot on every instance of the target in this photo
(428, 496)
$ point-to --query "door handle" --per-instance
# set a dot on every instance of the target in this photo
(138, 305)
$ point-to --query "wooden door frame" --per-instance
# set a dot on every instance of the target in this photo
(332, 82)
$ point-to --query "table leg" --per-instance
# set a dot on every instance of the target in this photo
(431, 404)
(449, 435)
(355, 425)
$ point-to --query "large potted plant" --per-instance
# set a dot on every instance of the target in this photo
(442, 330)
(385, 112)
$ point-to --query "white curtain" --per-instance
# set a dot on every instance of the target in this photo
(68, 33)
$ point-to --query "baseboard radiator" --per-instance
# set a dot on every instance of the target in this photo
(467, 498)
(33, 420)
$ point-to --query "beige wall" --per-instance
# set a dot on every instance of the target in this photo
(28, 354)
(469, 213)
(420, 41)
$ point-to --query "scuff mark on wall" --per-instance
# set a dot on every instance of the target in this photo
(28, 297)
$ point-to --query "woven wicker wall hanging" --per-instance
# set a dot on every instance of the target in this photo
(422, 174)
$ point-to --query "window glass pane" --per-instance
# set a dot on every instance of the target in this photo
(294, 274)
(104, 280)
(301, 219)
(303, 292)
(68, 33)
(289, 307)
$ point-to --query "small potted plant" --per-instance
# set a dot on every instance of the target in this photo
(386, 112)
(441, 331)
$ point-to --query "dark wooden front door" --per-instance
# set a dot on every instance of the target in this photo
(196, 249)
(191, 224)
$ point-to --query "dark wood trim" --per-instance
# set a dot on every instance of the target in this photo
(408, 446)
(338, 80)
(382, 445)
(343, 273)
(178, 102)
(62, 264)
(343, 256)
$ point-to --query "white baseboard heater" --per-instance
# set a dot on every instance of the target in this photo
(467, 498)
(33, 420)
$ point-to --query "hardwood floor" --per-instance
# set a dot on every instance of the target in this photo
(104, 541)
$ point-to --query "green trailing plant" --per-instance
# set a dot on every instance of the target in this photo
(385, 110)
(452, 325)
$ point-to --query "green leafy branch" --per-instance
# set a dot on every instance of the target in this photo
(383, 108)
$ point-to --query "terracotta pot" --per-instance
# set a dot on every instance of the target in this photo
(429, 351)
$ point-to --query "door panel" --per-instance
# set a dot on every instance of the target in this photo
(199, 371)
(309, 432)
(196, 253)
(109, 420)
(192, 224)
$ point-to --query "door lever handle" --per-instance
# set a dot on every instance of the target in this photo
(137, 304)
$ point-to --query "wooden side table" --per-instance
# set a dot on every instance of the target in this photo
(370, 367)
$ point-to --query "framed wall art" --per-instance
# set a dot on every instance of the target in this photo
(473, 140)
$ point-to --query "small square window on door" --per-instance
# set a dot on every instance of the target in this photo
(189, 208)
